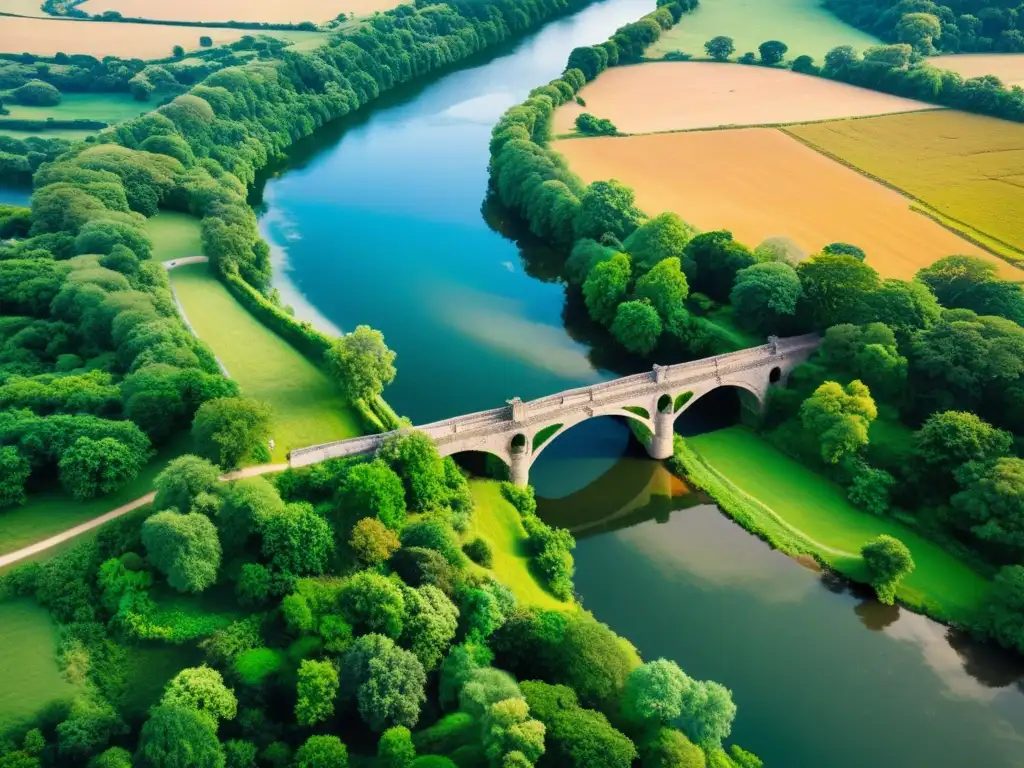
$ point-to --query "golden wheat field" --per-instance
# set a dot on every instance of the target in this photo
(270, 11)
(672, 95)
(967, 167)
(1008, 67)
(761, 183)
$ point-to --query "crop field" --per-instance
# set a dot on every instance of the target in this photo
(819, 509)
(804, 25)
(307, 406)
(672, 96)
(760, 183)
(269, 11)
(24, 8)
(105, 107)
(969, 168)
(1008, 67)
(28, 665)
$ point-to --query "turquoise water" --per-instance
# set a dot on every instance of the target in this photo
(14, 195)
(380, 220)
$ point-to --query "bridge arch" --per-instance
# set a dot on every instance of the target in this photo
(577, 419)
(759, 395)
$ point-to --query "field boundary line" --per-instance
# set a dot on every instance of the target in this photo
(878, 179)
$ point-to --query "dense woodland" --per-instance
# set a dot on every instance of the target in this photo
(937, 361)
(959, 26)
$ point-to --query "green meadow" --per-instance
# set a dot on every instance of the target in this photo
(106, 107)
(174, 235)
(810, 505)
(804, 25)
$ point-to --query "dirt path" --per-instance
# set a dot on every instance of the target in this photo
(41, 546)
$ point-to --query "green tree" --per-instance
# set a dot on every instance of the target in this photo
(766, 296)
(253, 585)
(373, 489)
(297, 540)
(839, 418)
(395, 748)
(720, 48)
(637, 326)
(115, 757)
(228, 430)
(429, 624)
(712, 260)
(707, 714)
(508, 727)
(201, 689)
(179, 737)
(607, 207)
(904, 306)
(184, 547)
(486, 686)
(668, 748)
(372, 543)
(414, 458)
(14, 472)
(89, 726)
(654, 692)
(386, 682)
(948, 440)
(919, 30)
(237, 754)
(661, 237)
(322, 752)
(185, 478)
(316, 689)
(297, 613)
(36, 93)
(97, 467)
(888, 560)
(373, 603)
(664, 286)
(772, 52)
(1003, 616)
(836, 288)
(845, 249)
(889, 56)
(605, 287)
(247, 503)
(336, 633)
(840, 58)
(992, 503)
(361, 363)
(954, 277)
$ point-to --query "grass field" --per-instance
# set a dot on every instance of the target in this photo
(72, 134)
(46, 37)
(1008, 67)
(682, 95)
(498, 522)
(967, 167)
(819, 510)
(269, 11)
(174, 235)
(47, 514)
(105, 107)
(307, 407)
(760, 183)
(28, 667)
(804, 25)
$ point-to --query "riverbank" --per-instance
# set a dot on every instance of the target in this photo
(801, 513)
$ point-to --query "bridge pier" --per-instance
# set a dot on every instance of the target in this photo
(519, 469)
(660, 446)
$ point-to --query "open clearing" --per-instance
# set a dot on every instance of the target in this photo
(673, 95)
(804, 25)
(308, 408)
(106, 107)
(761, 183)
(820, 510)
(967, 167)
(46, 37)
(498, 521)
(1008, 67)
(28, 665)
(174, 235)
(268, 11)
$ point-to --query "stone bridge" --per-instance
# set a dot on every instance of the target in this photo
(520, 431)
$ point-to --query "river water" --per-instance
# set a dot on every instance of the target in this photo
(379, 220)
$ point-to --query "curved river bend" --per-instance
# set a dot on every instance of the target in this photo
(378, 220)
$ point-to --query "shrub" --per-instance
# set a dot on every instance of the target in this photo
(36, 93)
(479, 551)
(595, 126)
(256, 665)
(888, 561)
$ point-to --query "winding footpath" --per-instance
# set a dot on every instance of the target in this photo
(41, 546)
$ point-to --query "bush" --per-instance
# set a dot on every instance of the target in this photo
(36, 93)
(595, 126)
(256, 665)
(479, 551)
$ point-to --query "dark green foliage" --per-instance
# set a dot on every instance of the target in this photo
(1004, 612)
(372, 489)
(97, 467)
(184, 479)
(297, 540)
(432, 761)
(322, 752)
(246, 503)
(239, 754)
(229, 430)
(36, 93)
(414, 458)
(479, 551)
(607, 208)
(668, 748)
(484, 687)
(836, 288)
(429, 624)
(950, 439)
(434, 533)
(991, 505)
(89, 727)
(179, 737)
(14, 471)
(417, 566)
(804, 64)
(766, 297)
(711, 261)
(606, 286)
(772, 52)
(184, 547)
(720, 48)
(385, 682)
(637, 326)
(595, 126)
(371, 602)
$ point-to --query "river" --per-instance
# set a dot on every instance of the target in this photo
(379, 220)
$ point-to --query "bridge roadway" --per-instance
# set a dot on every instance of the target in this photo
(518, 432)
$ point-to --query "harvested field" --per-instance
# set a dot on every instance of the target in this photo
(967, 167)
(46, 37)
(761, 183)
(806, 26)
(670, 96)
(269, 11)
(1008, 67)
